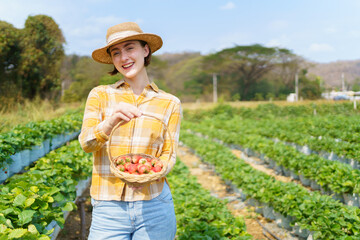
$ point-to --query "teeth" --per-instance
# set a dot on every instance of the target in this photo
(127, 65)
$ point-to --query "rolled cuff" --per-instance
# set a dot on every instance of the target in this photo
(100, 134)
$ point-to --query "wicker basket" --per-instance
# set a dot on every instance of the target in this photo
(133, 179)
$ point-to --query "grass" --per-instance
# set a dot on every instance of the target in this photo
(251, 104)
(37, 110)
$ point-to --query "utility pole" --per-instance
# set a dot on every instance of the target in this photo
(343, 82)
(214, 88)
(296, 87)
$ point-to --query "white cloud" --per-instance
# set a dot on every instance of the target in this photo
(281, 41)
(278, 25)
(321, 47)
(228, 6)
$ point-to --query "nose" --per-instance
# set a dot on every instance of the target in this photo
(124, 56)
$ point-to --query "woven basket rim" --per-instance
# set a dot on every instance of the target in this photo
(143, 178)
(134, 179)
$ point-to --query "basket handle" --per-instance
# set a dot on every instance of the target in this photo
(145, 115)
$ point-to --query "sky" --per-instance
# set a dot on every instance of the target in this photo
(318, 30)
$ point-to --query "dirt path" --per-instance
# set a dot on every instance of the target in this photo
(209, 180)
(72, 227)
(261, 168)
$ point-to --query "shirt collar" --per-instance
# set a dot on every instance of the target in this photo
(122, 81)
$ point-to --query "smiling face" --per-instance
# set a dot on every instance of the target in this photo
(128, 58)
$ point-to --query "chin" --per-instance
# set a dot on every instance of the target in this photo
(129, 76)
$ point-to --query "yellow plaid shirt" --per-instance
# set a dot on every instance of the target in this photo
(144, 135)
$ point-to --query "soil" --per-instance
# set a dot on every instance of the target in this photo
(72, 227)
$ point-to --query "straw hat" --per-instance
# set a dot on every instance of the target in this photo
(125, 32)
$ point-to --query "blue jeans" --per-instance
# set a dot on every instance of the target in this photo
(139, 220)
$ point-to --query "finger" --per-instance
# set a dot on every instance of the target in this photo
(128, 114)
(122, 116)
(138, 114)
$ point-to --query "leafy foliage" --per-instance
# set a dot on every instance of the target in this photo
(31, 201)
(41, 56)
(198, 214)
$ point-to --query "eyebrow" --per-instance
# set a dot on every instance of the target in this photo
(116, 48)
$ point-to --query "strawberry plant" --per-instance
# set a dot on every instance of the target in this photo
(288, 199)
(31, 201)
(198, 214)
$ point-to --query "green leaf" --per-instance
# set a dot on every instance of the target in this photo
(8, 211)
(2, 218)
(26, 216)
(29, 202)
(53, 190)
(17, 233)
(50, 199)
(69, 206)
(2, 228)
(32, 229)
(19, 200)
(43, 237)
(34, 189)
(9, 223)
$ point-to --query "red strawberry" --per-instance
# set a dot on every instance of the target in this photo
(127, 159)
(136, 158)
(157, 168)
(142, 161)
(148, 164)
(120, 161)
(159, 163)
(143, 169)
(153, 161)
(148, 159)
(121, 168)
(132, 168)
(126, 166)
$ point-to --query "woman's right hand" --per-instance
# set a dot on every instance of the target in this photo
(122, 112)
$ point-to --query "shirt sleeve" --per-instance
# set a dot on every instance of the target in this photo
(174, 130)
(92, 137)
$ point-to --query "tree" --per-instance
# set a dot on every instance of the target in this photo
(42, 44)
(309, 88)
(84, 75)
(249, 63)
(9, 59)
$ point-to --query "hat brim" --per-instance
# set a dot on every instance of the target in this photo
(102, 56)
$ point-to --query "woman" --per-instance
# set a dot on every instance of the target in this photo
(121, 211)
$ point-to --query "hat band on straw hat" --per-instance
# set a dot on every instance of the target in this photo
(128, 31)
(119, 35)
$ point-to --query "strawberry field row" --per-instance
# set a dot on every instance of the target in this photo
(304, 132)
(25, 144)
(31, 201)
(322, 216)
(333, 178)
(272, 111)
(198, 214)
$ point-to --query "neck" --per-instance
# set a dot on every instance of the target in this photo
(139, 82)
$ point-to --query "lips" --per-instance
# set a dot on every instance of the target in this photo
(127, 66)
